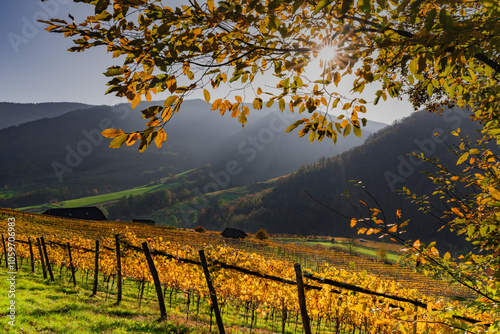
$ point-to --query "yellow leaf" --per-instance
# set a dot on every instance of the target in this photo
(118, 141)
(166, 114)
(216, 104)
(136, 100)
(312, 135)
(393, 229)
(353, 222)
(111, 133)
(434, 251)
(398, 213)
(160, 138)
(153, 123)
(463, 158)
(185, 67)
(494, 193)
(206, 94)
(171, 84)
(170, 100)
(282, 104)
(362, 230)
(235, 113)
(416, 244)
(211, 5)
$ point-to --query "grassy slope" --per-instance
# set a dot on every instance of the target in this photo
(228, 195)
(225, 194)
(45, 307)
(106, 198)
(368, 251)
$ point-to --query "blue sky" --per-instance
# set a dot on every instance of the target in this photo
(36, 67)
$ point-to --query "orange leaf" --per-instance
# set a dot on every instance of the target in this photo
(111, 133)
(136, 100)
(132, 138)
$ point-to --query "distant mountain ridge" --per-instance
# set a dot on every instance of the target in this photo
(12, 114)
(68, 150)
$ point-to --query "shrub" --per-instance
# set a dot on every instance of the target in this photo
(382, 253)
(200, 229)
(261, 234)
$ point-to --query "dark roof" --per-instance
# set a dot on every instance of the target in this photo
(86, 213)
(233, 233)
(144, 221)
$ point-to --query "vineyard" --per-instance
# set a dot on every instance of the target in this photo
(258, 280)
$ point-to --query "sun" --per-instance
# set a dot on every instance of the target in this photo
(327, 53)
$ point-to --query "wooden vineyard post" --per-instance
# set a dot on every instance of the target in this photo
(41, 257)
(5, 252)
(415, 320)
(71, 265)
(213, 295)
(302, 299)
(47, 261)
(96, 268)
(118, 269)
(32, 256)
(283, 315)
(156, 279)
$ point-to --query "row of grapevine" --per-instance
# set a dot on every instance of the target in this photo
(359, 300)
(306, 255)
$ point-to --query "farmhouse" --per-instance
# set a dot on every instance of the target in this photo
(233, 233)
(85, 213)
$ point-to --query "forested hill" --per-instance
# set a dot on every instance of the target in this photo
(382, 164)
(68, 151)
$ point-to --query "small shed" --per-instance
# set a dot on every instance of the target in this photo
(85, 213)
(144, 221)
(233, 233)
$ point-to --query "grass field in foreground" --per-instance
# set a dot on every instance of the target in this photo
(45, 307)
(59, 307)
